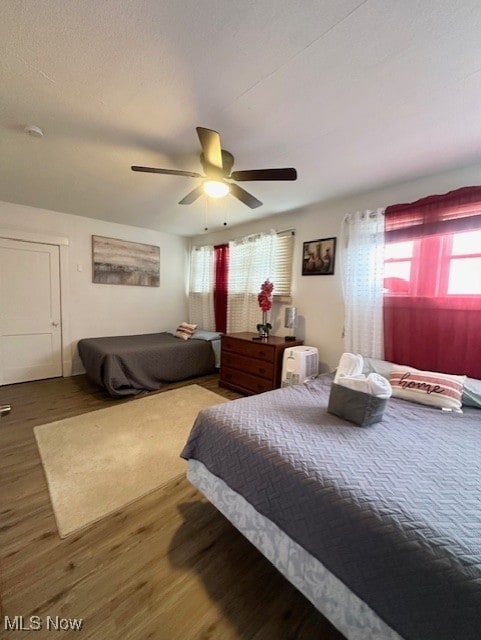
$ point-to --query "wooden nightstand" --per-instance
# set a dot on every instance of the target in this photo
(252, 366)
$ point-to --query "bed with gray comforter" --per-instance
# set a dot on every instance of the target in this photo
(393, 510)
(128, 365)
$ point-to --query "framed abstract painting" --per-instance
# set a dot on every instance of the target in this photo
(318, 257)
(122, 262)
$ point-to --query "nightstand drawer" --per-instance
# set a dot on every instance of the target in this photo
(244, 381)
(254, 349)
(249, 365)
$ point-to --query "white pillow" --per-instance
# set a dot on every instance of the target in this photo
(427, 387)
(185, 330)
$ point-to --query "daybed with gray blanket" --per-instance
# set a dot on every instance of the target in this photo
(379, 526)
(128, 365)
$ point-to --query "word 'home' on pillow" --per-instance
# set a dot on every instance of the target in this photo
(185, 330)
(440, 390)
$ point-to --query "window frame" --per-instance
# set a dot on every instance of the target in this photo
(435, 282)
(285, 266)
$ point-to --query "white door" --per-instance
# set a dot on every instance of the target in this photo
(30, 332)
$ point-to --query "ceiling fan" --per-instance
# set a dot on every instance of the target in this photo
(217, 164)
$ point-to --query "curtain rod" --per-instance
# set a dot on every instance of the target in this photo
(253, 236)
(248, 237)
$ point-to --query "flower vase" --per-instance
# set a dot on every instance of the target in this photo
(265, 303)
(264, 326)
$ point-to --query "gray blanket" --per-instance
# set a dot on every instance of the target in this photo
(127, 365)
(393, 509)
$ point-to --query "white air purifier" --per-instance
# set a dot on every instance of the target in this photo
(299, 365)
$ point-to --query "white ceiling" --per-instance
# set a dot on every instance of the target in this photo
(354, 94)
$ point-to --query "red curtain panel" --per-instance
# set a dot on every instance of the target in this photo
(221, 275)
(432, 301)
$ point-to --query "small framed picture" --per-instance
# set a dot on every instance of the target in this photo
(318, 257)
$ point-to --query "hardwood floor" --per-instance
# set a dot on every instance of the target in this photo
(167, 567)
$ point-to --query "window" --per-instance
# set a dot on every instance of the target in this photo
(452, 266)
(201, 270)
(201, 284)
(464, 264)
(282, 267)
(398, 259)
(432, 285)
(256, 258)
(251, 260)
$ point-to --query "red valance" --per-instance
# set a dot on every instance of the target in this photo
(453, 212)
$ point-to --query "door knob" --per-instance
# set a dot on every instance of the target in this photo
(54, 324)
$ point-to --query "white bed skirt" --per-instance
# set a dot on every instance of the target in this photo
(346, 611)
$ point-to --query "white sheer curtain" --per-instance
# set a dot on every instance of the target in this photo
(201, 287)
(251, 261)
(362, 242)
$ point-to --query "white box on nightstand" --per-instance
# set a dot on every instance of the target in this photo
(299, 365)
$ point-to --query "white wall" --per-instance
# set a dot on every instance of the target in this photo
(100, 309)
(319, 298)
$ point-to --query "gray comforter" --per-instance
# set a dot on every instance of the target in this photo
(393, 509)
(127, 365)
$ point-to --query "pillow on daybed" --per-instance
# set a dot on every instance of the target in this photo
(427, 387)
(185, 330)
(200, 334)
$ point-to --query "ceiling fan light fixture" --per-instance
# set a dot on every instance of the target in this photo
(216, 188)
(217, 179)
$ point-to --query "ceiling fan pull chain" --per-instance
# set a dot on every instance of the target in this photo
(206, 206)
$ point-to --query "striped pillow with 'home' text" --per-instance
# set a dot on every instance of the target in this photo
(440, 390)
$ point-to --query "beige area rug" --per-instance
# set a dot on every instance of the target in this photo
(97, 462)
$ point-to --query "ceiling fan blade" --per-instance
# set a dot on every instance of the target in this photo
(210, 143)
(265, 174)
(192, 196)
(170, 172)
(244, 196)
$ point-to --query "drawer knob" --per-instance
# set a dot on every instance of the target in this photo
(5, 409)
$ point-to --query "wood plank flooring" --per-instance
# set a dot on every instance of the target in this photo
(167, 567)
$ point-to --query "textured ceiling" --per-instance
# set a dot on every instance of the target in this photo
(353, 94)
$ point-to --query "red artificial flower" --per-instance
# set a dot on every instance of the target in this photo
(264, 297)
